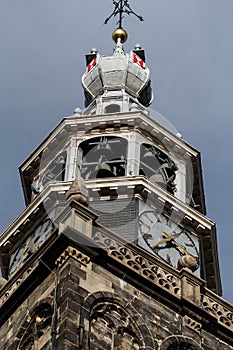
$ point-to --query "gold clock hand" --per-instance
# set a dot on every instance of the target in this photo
(166, 239)
(179, 246)
(23, 254)
(35, 246)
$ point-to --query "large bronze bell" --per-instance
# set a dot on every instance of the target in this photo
(150, 159)
(104, 171)
(101, 153)
(158, 179)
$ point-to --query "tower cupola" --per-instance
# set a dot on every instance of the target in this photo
(120, 76)
(117, 75)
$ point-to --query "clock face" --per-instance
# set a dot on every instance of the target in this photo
(168, 240)
(30, 245)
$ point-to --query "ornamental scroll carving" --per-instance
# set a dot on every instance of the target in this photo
(144, 267)
(223, 315)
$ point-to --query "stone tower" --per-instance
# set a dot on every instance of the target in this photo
(114, 250)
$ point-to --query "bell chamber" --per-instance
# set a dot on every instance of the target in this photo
(158, 167)
(103, 156)
(53, 172)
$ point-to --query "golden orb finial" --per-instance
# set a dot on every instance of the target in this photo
(119, 33)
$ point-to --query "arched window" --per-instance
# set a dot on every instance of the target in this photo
(112, 108)
(54, 171)
(103, 157)
(180, 342)
(37, 329)
(112, 328)
(158, 167)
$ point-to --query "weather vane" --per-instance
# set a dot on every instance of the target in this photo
(121, 7)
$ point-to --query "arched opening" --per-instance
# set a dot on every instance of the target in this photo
(158, 167)
(180, 342)
(103, 157)
(36, 331)
(111, 328)
(54, 171)
(112, 108)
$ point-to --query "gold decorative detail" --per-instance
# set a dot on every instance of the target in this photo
(189, 261)
(74, 253)
(119, 33)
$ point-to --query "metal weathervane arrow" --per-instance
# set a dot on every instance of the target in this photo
(121, 7)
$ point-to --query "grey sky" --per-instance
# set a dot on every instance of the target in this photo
(189, 49)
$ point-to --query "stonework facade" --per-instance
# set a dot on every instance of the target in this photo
(111, 298)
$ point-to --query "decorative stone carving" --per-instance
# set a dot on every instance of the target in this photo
(36, 329)
(136, 262)
(188, 261)
(13, 286)
(179, 342)
(75, 254)
(192, 324)
(223, 314)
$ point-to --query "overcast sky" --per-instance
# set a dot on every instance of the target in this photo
(189, 49)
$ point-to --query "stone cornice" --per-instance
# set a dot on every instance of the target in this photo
(36, 209)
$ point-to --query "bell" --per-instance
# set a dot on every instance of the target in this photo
(120, 170)
(158, 179)
(100, 153)
(104, 171)
(150, 159)
(141, 172)
(62, 160)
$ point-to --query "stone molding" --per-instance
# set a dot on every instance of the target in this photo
(161, 277)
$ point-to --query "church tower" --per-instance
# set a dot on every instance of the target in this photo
(114, 250)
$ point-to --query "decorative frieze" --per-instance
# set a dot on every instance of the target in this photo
(141, 265)
(185, 286)
(223, 314)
